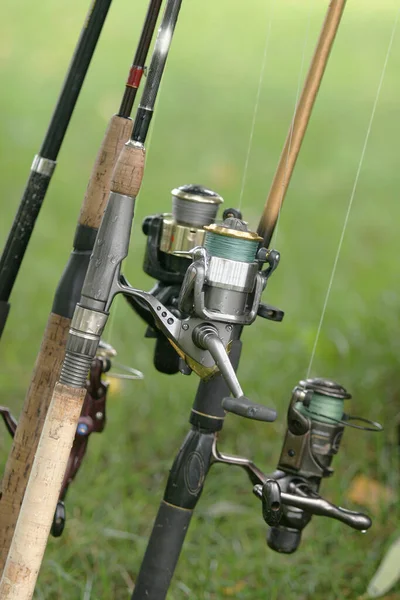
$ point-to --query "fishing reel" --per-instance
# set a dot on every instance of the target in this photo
(193, 206)
(289, 496)
(315, 426)
(220, 293)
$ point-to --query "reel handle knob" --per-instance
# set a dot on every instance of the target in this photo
(270, 496)
(243, 407)
(320, 506)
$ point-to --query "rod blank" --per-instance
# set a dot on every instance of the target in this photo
(300, 122)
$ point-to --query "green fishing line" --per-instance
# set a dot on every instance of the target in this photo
(223, 246)
(325, 409)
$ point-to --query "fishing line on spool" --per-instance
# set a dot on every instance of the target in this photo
(352, 195)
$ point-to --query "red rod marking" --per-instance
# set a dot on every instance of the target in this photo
(135, 75)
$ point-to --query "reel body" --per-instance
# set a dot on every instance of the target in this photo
(315, 426)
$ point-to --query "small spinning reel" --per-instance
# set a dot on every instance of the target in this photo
(316, 422)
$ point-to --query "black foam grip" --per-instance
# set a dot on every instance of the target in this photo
(162, 553)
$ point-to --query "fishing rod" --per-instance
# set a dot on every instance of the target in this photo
(49, 360)
(45, 161)
(187, 475)
(90, 316)
(220, 284)
(290, 495)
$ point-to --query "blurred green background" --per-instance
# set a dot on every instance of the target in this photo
(200, 134)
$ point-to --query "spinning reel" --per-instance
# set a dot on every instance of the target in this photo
(315, 426)
(205, 293)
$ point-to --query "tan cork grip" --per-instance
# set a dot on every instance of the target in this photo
(128, 172)
(94, 204)
(41, 494)
(46, 373)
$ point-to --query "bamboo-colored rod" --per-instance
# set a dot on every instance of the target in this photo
(300, 121)
(41, 495)
(18, 467)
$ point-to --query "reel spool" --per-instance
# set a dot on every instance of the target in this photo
(316, 421)
(225, 281)
(315, 428)
(193, 207)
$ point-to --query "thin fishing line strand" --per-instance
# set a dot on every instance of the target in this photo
(257, 102)
(299, 80)
(352, 195)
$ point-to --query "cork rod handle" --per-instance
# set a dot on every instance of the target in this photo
(34, 522)
(117, 134)
(18, 467)
(128, 173)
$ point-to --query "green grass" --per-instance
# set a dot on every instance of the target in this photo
(200, 134)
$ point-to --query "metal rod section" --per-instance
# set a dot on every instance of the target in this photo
(300, 121)
(44, 163)
(159, 58)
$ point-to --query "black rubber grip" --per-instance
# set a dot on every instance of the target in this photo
(69, 289)
(162, 553)
(243, 407)
(21, 231)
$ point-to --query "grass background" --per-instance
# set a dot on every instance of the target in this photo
(200, 134)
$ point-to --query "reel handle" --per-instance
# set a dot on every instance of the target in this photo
(243, 407)
(205, 336)
(313, 506)
(319, 506)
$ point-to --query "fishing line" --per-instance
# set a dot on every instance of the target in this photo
(299, 80)
(353, 193)
(257, 102)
